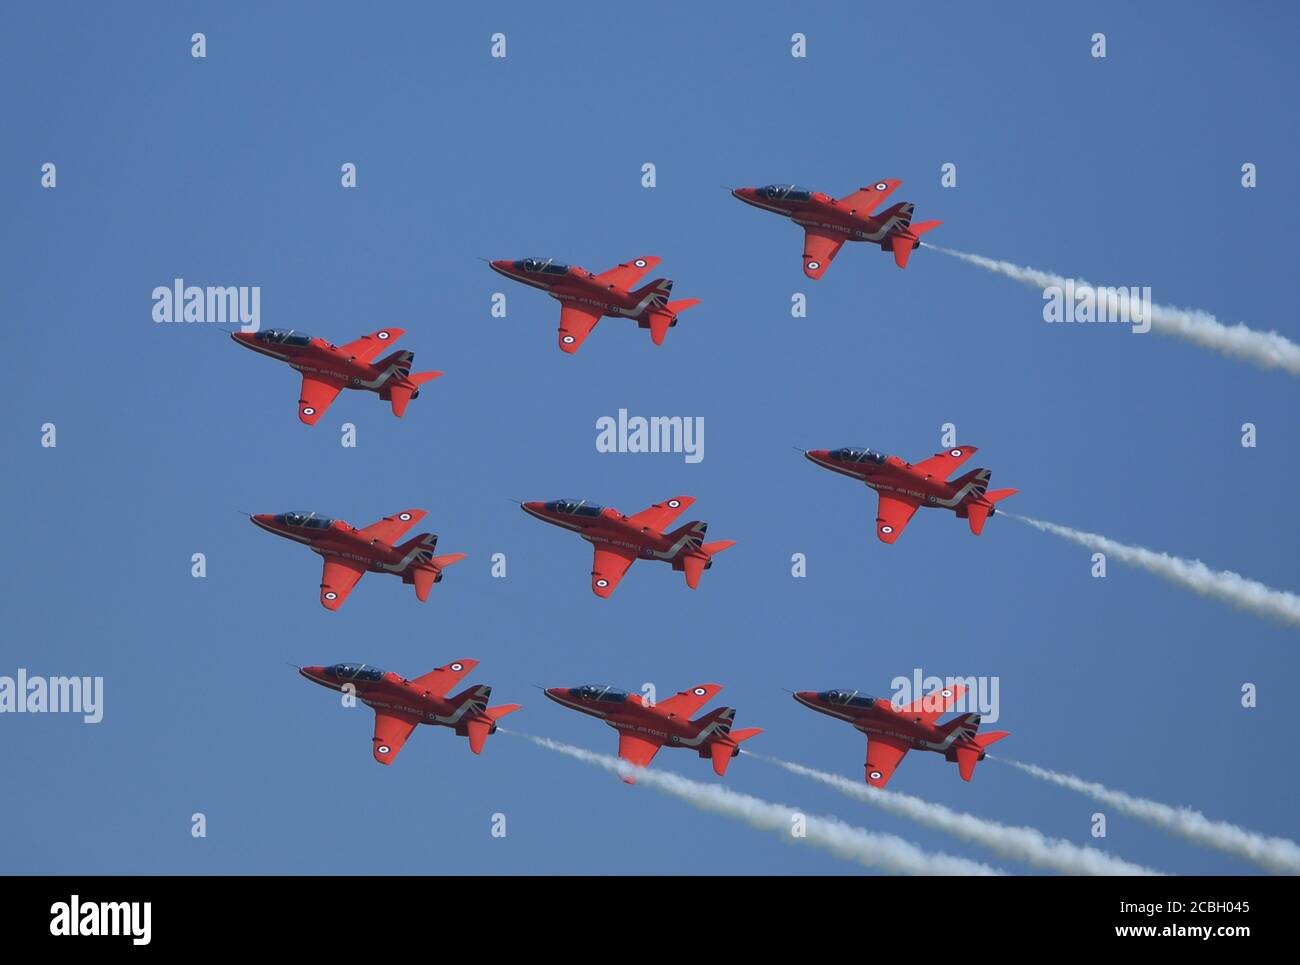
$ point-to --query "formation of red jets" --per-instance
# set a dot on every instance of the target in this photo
(644, 726)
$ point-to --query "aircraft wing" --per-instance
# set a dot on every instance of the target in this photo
(660, 515)
(942, 464)
(439, 682)
(883, 755)
(391, 528)
(316, 397)
(686, 703)
(819, 249)
(608, 568)
(337, 581)
(934, 704)
(636, 750)
(629, 273)
(893, 513)
(392, 728)
(866, 200)
(576, 323)
(368, 347)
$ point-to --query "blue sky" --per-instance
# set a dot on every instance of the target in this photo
(225, 171)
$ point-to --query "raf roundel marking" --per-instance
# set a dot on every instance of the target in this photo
(567, 340)
(602, 583)
(956, 453)
(457, 666)
(882, 186)
(875, 775)
(404, 517)
(382, 335)
(814, 265)
(382, 748)
(886, 530)
(700, 691)
(945, 693)
(308, 410)
(640, 262)
(674, 503)
(331, 595)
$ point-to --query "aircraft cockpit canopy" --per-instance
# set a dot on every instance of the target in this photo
(282, 336)
(849, 698)
(785, 192)
(851, 454)
(574, 507)
(354, 671)
(600, 692)
(542, 266)
(305, 520)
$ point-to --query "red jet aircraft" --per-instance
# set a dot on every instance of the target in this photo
(892, 731)
(586, 298)
(828, 223)
(644, 728)
(349, 552)
(399, 704)
(622, 540)
(904, 488)
(329, 369)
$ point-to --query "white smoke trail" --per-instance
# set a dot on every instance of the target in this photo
(881, 852)
(1013, 843)
(1231, 588)
(1268, 350)
(1273, 854)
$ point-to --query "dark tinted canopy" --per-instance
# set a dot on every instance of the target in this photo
(574, 507)
(282, 336)
(542, 266)
(785, 192)
(852, 454)
(306, 520)
(599, 692)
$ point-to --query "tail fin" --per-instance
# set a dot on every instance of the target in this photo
(478, 729)
(654, 294)
(965, 724)
(900, 213)
(401, 359)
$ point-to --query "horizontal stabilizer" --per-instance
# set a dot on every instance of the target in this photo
(478, 729)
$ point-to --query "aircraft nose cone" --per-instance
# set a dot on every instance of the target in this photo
(262, 519)
(553, 692)
(244, 338)
(312, 673)
(499, 264)
(805, 696)
(531, 507)
(817, 455)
